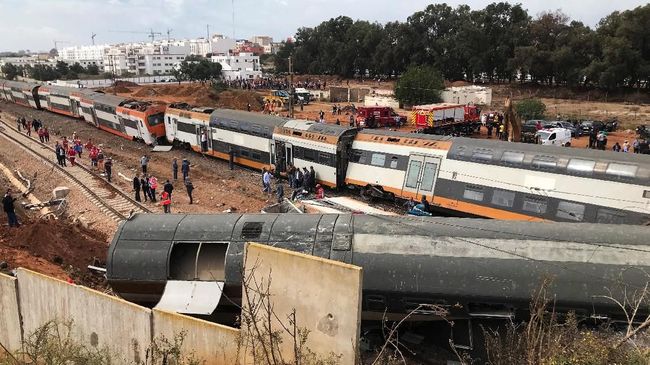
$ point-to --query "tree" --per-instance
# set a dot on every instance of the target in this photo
(530, 109)
(10, 71)
(62, 68)
(77, 68)
(44, 73)
(92, 70)
(419, 85)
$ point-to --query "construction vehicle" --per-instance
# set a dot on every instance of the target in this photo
(278, 98)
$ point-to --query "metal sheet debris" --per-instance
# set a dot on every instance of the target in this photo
(160, 148)
(191, 297)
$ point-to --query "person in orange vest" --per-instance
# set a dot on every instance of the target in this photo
(166, 202)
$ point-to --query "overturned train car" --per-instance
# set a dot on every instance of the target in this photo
(475, 268)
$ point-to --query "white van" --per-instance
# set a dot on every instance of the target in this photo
(554, 137)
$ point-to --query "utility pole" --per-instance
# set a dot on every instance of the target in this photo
(169, 31)
(290, 88)
(207, 31)
(233, 19)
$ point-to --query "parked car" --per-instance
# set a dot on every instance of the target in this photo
(554, 137)
(588, 125)
(575, 132)
(611, 125)
(529, 129)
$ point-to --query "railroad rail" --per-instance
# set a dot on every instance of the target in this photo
(108, 198)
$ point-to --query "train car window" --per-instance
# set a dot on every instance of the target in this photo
(609, 216)
(535, 204)
(256, 156)
(308, 155)
(378, 159)
(324, 158)
(571, 211)
(185, 127)
(155, 119)
(621, 170)
(482, 154)
(393, 162)
(413, 174)
(503, 198)
(473, 193)
(580, 166)
(544, 162)
(355, 156)
(512, 158)
(252, 230)
(245, 153)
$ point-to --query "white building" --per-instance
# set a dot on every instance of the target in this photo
(222, 45)
(265, 41)
(243, 66)
(145, 58)
(84, 55)
(200, 47)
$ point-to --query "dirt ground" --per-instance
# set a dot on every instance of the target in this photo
(217, 189)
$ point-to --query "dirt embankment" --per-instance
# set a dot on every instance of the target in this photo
(195, 94)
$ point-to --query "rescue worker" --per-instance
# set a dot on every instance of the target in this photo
(136, 187)
(71, 155)
(8, 207)
(168, 188)
(190, 188)
(46, 135)
(144, 183)
(166, 202)
(425, 204)
(185, 169)
(266, 181)
(175, 168)
(41, 136)
(153, 185)
(108, 168)
(144, 160)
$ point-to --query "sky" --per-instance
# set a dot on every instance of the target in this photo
(36, 24)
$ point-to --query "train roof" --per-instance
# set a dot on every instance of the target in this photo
(314, 127)
(108, 99)
(238, 227)
(591, 154)
(21, 85)
(224, 115)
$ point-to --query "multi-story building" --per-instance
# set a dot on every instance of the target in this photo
(84, 55)
(222, 46)
(243, 66)
(145, 58)
(264, 41)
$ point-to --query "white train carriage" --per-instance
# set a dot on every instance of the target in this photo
(504, 180)
(306, 144)
(105, 114)
(247, 136)
(87, 108)
(184, 124)
(380, 160)
(57, 100)
(22, 93)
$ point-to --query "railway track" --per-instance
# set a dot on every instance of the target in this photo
(108, 198)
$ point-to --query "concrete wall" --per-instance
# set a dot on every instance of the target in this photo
(344, 94)
(10, 330)
(213, 343)
(381, 101)
(99, 320)
(325, 294)
(467, 95)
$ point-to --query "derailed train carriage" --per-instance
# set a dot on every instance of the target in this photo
(474, 268)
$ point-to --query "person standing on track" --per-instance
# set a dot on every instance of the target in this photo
(46, 135)
(41, 135)
(19, 123)
(60, 154)
(175, 168)
(144, 160)
(136, 187)
(108, 168)
(71, 155)
(153, 185)
(144, 183)
(8, 206)
(190, 188)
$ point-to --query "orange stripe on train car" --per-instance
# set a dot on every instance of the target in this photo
(460, 206)
(117, 133)
(404, 141)
(238, 160)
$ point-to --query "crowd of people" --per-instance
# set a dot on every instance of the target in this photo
(302, 182)
(275, 83)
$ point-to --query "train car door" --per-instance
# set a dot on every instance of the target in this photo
(199, 133)
(421, 176)
(74, 106)
(288, 155)
(279, 153)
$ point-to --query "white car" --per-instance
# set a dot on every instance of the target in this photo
(554, 137)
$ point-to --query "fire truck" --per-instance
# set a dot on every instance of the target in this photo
(446, 119)
(378, 117)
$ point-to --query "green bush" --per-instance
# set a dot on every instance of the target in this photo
(530, 109)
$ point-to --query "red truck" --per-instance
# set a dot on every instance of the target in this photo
(378, 117)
